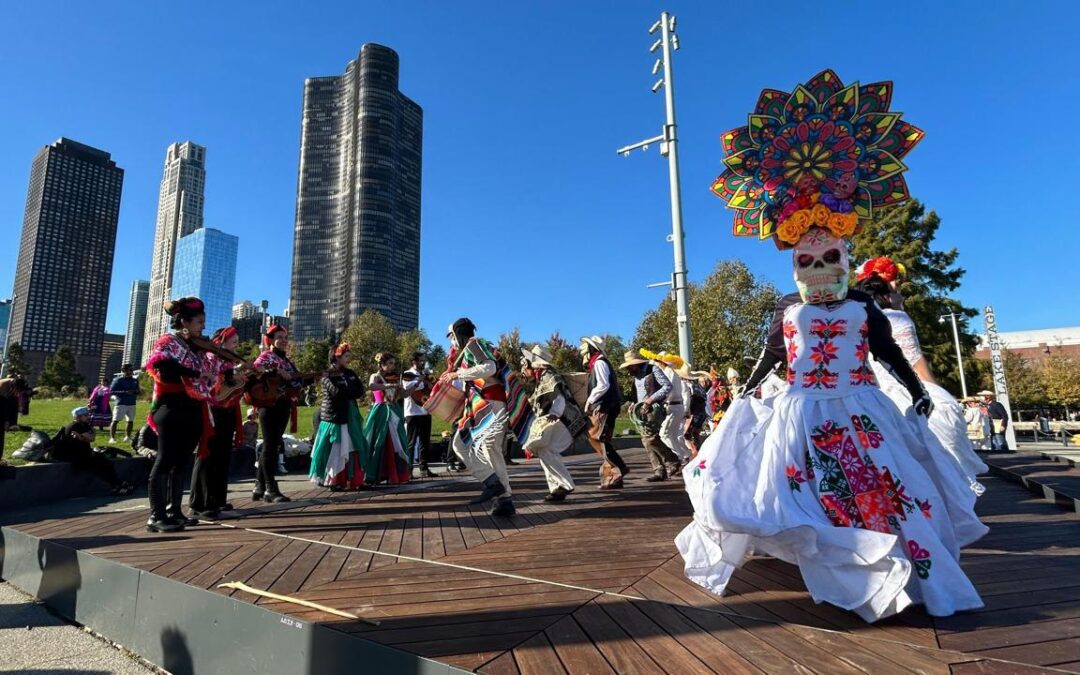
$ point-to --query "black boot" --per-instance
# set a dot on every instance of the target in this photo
(556, 495)
(273, 494)
(493, 487)
(657, 477)
(163, 525)
(504, 507)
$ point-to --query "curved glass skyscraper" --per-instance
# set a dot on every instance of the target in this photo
(357, 239)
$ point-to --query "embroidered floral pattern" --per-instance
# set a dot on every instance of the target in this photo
(897, 492)
(924, 506)
(823, 353)
(920, 558)
(828, 329)
(794, 478)
(699, 468)
(863, 374)
(169, 347)
(867, 431)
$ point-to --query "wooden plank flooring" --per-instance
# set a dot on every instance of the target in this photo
(595, 585)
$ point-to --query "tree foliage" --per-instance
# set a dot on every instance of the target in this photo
(729, 318)
(1023, 378)
(1060, 377)
(249, 350)
(59, 371)
(369, 334)
(905, 234)
(313, 355)
(16, 361)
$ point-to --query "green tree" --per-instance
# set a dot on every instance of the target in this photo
(313, 355)
(510, 345)
(1060, 377)
(369, 334)
(249, 350)
(1023, 378)
(905, 234)
(565, 356)
(410, 342)
(16, 360)
(729, 318)
(59, 371)
(437, 359)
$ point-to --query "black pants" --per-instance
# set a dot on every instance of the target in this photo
(273, 422)
(418, 431)
(179, 424)
(82, 457)
(210, 477)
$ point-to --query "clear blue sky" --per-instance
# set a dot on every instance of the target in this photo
(524, 106)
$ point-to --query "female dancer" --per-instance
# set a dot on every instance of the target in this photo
(179, 413)
(275, 418)
(210, 475)
(384, 431)
(100, 410)
(879, 278)
(339, 442)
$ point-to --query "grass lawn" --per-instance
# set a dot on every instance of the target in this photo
(48, 415)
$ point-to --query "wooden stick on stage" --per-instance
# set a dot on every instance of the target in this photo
(240, 586)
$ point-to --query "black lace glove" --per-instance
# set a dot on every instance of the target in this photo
(923, 404)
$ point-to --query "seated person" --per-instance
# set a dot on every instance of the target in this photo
(73, 444)
(145, 443)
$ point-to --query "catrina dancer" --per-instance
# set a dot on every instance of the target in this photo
(829, 475)
(389, 460)
(179, 413)
(274, 419)
(880, 278)
(339, 445)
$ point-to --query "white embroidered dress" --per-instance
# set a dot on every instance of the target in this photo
(832, 478)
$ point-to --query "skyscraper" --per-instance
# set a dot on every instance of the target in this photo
(205, 266)
(180, 212)
(357, 238)
(136, 323)
(112, 356)
(244, 309)
(5, 318)
(66, 254)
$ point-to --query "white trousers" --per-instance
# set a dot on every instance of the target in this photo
(484, 456)
(671, 431)
(548, 440)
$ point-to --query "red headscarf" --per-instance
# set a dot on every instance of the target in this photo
(268, 337)
(223, 335)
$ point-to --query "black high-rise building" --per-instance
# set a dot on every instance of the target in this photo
(357, 239)
(66, 255)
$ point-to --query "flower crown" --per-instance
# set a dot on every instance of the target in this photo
(882, 267)
(825, 155)
(673, 360)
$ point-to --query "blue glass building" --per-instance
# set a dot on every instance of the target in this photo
(205, 266)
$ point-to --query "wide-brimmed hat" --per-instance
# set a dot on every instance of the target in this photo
(631, 358)
(595, 341)
(731, 372)
(538, 355)
(985, 392)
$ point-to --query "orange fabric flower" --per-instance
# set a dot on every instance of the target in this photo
(820, 215)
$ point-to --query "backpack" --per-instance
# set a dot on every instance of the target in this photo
(575, 419)
(34, 448)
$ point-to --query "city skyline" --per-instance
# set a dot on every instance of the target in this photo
(66, 251)
(205, 267)
(136, 322)
(356, 241)
(516, 146)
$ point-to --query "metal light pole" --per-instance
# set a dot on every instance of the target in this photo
(956, 342)
(667, 43)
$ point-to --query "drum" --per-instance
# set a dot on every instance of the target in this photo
(578, 384)
(446, 402)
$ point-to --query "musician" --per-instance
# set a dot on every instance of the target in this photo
(339, 442)
(549, 437)
(384, 431)
(650, 388)
(210, 476)
(275, 418)
(481, 430)
(417, 420)
(603, 405)
(179, 413)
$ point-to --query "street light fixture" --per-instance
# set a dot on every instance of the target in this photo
(669, 148)
(956, 342)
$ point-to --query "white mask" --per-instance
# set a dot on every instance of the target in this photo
(820, 264)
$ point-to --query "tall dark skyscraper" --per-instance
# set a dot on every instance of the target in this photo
(357, 239)
(66, 254)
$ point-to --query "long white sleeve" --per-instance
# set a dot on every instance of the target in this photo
(602, 371)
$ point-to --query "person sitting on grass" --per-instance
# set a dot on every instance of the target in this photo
(73, 444)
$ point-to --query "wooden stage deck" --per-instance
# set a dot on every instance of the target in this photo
(595, 585)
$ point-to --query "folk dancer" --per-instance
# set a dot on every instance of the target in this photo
(417, 419)
(603, 405)
(340, 447)
(650, 390)
(179, 413)
(549, 436)
(672, 430)
(696, 399)
(880, 279)
(210, 475)
(830, 475)
(100, 410)
(126, 390)
(276, 418)
(384, 431)
(481, 430)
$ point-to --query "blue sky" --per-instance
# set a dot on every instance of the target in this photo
(524, 106)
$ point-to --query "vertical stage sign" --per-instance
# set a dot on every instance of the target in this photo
(1001, 387)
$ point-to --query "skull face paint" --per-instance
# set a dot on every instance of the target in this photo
(820, 263)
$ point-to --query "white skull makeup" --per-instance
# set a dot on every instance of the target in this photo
(820, 263)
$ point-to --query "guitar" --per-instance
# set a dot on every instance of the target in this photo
(420, 396)
(265, 389)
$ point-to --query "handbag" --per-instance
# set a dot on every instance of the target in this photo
(446, 402)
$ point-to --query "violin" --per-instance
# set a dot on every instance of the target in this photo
(206, 345)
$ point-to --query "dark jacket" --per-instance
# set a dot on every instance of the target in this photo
(340, 389)
(996, 411)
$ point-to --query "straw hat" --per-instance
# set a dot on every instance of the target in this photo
(631, 358)
(985, 392)
(731, 372)
(596, 342)
(539, 355)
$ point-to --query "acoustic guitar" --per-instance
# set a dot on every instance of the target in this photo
(420, 396)
(265, 389)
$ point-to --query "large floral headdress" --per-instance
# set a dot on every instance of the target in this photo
(825, 155)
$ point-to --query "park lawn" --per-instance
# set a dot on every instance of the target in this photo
(48, 415)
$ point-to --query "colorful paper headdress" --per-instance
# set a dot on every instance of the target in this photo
(673, 360)
(883, 267)
(825, 155)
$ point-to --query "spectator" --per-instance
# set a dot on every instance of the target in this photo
(251, 429)
(126, 390)
(999, 422)
(73, 444)
(100, 411)
(11, 391)
(145, 443)
(978, 423)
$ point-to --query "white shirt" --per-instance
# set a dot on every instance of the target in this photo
(412, 408)
(602, 371)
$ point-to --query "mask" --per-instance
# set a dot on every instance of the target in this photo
(820, 263)
(585, 354)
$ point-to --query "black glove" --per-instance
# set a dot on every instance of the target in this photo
(923, 405)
